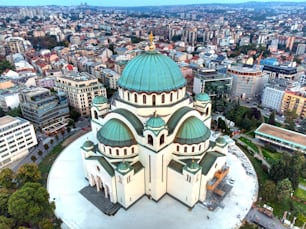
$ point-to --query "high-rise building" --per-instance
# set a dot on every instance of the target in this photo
(15, 45)
(300, 49)
(17, 136)
(247, 82)
(46, 110)
(80, 89)
(211, 82)
(272, 97)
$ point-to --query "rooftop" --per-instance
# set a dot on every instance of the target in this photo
(282, 134)
(6, 120)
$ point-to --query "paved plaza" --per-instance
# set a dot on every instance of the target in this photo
(66, 179)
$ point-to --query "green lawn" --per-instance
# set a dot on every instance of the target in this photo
(300, 193)
(303, 181)
(249, 143)
(270, 156)
(45, 165)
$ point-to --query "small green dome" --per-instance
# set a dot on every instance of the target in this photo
(192, 131)
(99, 100)
(221, 140)
(155, 122)
(123, 167)
(151, 72)
(115, 133)
(202, 97)
(88, 145)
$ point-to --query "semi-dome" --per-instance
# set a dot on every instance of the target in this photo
(151, 72)
(115, 133)
(88, 145)
(155, 122)
(99, 100)
(192, 131)
(202, 97)
(221, 141)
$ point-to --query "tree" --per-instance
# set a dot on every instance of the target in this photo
(302, 128)
(7, 177)
(268, 191)
(271, 119)
(4, 64)
(30, 204)
(40, 153)
(4, 197)
(46, 146)
(51, 141)
(6, 223)
(28, 173)
(33, 158)
(75, 115)
(284, 189)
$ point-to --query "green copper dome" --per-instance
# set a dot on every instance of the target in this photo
(115, 133)
(99, 100)
(88, 145)
(202, 97)
(123, 167)
(155, 122)
(220, 141)
(151, 72)
(192, 131)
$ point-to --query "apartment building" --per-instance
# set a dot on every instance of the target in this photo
(295, 101)
(47, 111)
(280, 72)
(272, 97)
(80, 88)
(16, 137)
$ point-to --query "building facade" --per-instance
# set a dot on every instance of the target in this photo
(211, 82)
(294, 101)
(280, 72)
(272, 98)
(247, 82)
(16, 137)
(80, 90)
(153, 139)
(47, 111)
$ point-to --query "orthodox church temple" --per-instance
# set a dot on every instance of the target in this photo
(153, 138)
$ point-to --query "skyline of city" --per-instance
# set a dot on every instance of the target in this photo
(129, 3)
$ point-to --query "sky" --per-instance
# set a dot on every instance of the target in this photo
(122, 2)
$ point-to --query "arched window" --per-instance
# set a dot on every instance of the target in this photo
(95, 114)
(200, 147)
(117, 152)
(128, 94)
(153, 100)
(135, 98)
(144, 99)
(192, 149)
(163, 98)
(177, 148)
(110, 151)
(132, 149)
(162, 139)
(150, 140)
(185, 149)
(125, 152)
(207, 111)
(171, 97)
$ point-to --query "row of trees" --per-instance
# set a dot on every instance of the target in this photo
(283, 180)
(24, 202)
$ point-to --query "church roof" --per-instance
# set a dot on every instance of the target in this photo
(155, 122)
(115, 133)
(176, 117)
(88, 145)
(136, 123)
(151, 72)
(221, 140)
(202, 97)
(208, 160)
(99, 100)
(192, 131)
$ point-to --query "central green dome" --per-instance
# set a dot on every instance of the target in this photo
(151, 72)
(192, 131)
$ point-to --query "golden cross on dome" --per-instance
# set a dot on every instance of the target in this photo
(151, 38)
